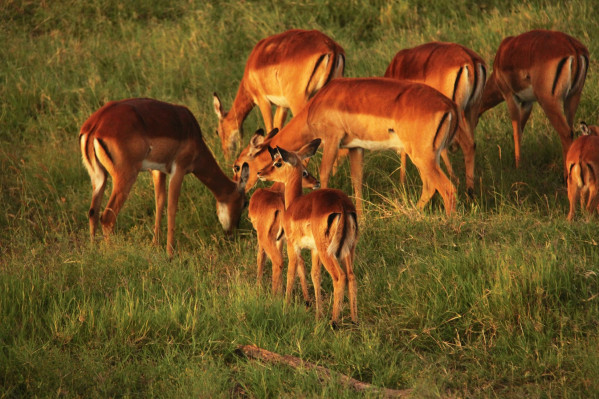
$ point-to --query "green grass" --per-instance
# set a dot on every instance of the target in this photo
(500, 300)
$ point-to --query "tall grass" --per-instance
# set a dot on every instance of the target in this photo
(500, 300)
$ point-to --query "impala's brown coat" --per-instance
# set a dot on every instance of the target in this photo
(582, 163)
(545, 66)
(323, 221)
(457, 72)
(265, 211)
(124, 137)
(283, 70)
(371, 113)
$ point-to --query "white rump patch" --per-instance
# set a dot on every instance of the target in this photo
(306, 242)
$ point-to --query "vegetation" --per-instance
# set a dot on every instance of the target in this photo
(501, 300)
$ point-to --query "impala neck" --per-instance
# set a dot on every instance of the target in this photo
(293, 187)
(209, 172)
(242, 105)
(296, 133)
(491, 95)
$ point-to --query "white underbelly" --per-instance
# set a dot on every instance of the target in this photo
(526, 95)
(279, 101)
(306, 242)
(149, 165)
(393, 143)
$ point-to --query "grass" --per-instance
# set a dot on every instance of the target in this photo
(500, 300)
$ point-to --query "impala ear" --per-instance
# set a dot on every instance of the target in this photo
(272, 134)
(584, 128)
(286, 156)
(218, 106)
(245, 175)
(309, 149)
(257, 139)
(273, 152)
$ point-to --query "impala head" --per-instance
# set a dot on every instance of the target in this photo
(229, 129)
(230, 208)
(285, 163)
(255, 155)
(589, 130)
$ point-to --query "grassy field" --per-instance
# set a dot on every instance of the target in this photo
(501, 300)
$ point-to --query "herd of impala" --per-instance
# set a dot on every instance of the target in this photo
(430, 97)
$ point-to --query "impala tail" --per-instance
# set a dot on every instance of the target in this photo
(446, 131)
(570, 74)
(343, 228)
(469, 85)
(328, 66)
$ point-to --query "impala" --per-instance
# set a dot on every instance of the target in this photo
(457, 72)
(369, 113)
(124, 137)
(283, 70)
(265, 211)
(323, 221)
(582, 163)
(544, 66)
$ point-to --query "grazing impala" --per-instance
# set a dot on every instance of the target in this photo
(266, 209)
(582, 163)
(455, 71)
(124, 137)
(375, 114)
(283, 70)
(324, 221)
(545, 66)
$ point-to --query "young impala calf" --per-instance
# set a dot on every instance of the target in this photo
(582, 163)
(124, 137)
(324, 221)
(283, 70)
(265, 211)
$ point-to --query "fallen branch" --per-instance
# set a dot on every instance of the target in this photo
(254, 352)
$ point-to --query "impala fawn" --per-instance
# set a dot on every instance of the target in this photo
(265, 211)
(582, 163)
(324, 221)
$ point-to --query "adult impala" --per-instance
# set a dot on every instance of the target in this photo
(283, 70)
(582, 164)
(545, 66)
(369, 113)
(323, 221)
(455, 71)
(125, 137)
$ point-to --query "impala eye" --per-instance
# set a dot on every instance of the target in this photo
(305, 173)
(278, 164)
(236, 168)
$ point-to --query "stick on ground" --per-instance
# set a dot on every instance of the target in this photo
(254, 352)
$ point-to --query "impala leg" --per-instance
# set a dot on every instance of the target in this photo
(120, 191)
(519, 113)
(573, 194)
(266, 110)
(433, 179)
(356, 165)
(159, 179)
(465, 139)
(339, 281)
(280, 117)
(403, 167)
(447, 162)
(98, 186)
(293, 256)
(301, 271)
(555, 113)
(593, 200)
(352, 285)
(273, 250)
(260, 260)
(315, 273)
(174, 190)
(329, 155)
